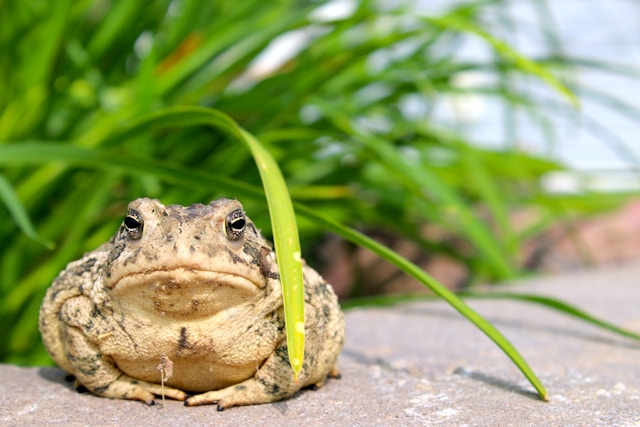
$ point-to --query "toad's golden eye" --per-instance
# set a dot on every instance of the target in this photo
(133, 224)
(235, 224)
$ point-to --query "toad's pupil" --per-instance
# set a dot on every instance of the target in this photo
(238, 224)
(131, 223)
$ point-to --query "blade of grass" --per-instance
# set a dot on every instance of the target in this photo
(113, 24)
(35, 68)
(19, 213)
(548, 302)
(437, 288)
(288, 250)
(452, 21)
(557, 305)
(46, 152)
(490, 193)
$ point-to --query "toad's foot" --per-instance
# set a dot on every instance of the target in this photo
(129, 388)
(249, 392)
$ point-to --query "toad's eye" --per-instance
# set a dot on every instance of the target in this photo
(134, 224)
(234, 224)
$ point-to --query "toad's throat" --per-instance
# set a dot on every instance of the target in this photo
(183, 292)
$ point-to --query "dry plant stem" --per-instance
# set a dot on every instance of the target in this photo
(166, 372)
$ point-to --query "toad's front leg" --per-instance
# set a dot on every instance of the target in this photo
(101, 376)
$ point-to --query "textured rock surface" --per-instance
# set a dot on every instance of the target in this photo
(418, 364)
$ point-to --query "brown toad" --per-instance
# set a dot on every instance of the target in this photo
(194, 290)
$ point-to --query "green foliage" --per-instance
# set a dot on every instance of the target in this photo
(336, 116)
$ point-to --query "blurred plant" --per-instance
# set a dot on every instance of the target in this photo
(348, 105)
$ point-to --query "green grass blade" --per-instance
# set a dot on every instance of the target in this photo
(548, 302)
(507, 52)
(36, 68)
(113, 24)
(19, 214)
(288, 253)
(557, 305)
(439, 289)
(489, 192)
(45, 152)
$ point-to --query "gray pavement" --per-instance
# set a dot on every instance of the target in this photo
(417, 364)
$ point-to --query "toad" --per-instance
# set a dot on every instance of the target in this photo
(190, 295)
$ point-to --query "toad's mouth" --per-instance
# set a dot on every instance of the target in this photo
(184, 292)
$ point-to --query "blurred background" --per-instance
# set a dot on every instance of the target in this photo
(484, 140)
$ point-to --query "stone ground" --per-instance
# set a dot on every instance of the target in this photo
(417, 364)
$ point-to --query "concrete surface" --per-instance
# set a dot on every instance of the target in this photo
(417, 364)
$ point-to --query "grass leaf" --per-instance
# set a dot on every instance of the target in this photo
(437, 288)
(19, 214)
(454, 22)
(557, 305)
